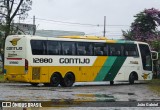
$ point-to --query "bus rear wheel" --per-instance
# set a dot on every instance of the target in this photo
(55, 79)
(68, 80)
(131, 78)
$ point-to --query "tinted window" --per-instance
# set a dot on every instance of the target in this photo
(84, 48)
(100, 49)
(68, 48)
(131, 50)
(38, 47)
(53, 47)
(116, 49)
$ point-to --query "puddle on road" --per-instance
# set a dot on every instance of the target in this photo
(124, 93)
(132, 100)
(155, 99)
(96, 97)
(36, 89)
(82, 99)
(131, 93)
(65, 91)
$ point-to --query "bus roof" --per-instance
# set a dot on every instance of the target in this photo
(85, 37)
(79, 38)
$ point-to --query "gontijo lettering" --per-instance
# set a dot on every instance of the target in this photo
(74, 60)
(13, 48)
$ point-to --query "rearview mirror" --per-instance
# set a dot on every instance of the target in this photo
(154, 55)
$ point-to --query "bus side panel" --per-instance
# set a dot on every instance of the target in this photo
(131, 64)
(109, 68)
(64, 69)
(38, 74)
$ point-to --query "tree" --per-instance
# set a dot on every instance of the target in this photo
(11, 8)
(144, 28)
(8, 10)
(1, 36)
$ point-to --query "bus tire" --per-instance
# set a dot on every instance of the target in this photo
(55, 79)
(68, 80)
(62, 83)
(131, 78)
(111, 82)
(34, 84)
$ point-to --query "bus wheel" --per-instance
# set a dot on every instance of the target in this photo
(111, 82)
(62, 83)
(68, 80)
(131, 78)
(55, 79)
(34, 84)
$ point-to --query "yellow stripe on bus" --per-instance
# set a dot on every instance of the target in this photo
(111, 41)
(98, 64)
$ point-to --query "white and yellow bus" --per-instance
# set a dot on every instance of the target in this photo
(69, 59)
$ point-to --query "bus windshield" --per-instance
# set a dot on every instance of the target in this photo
(146, 57)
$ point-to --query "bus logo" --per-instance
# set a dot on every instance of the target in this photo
(145, 75)
(14, 41)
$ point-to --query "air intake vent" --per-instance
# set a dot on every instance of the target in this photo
(36, 73)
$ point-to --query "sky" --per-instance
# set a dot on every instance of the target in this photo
(88, 15)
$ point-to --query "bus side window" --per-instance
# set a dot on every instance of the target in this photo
(126, 53)
(66, 52)
(99, 53)
(89, 49)
(105, 50)
(99, 49)
(84, 48)
(81, 52)
(118, 53)
(112, 51)
(38, 47)
(116, 49)
(131, 50)
(68, 48)
(53, 47)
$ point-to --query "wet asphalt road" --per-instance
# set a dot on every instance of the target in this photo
(80, 92)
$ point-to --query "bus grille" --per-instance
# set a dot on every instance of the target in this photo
(36, 73)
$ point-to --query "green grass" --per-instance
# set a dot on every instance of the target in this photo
(1, 77)
(154, 85)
